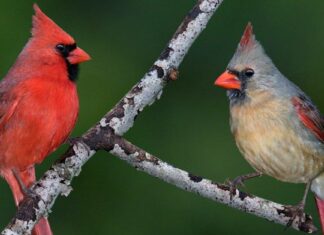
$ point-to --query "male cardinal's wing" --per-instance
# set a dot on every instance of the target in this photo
(8, 104)
(309, 116)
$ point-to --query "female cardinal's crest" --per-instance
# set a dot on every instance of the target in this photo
(248, 37)
(249, 51)
(44, 27)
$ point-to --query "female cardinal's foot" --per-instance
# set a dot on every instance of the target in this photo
(239, 181)
(234, 184)
(297, 212)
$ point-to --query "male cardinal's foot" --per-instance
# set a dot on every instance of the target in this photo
(73, 140)
(78, 141)
(28, 193)
(239, 181)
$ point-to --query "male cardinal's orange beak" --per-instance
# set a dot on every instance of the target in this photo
(78, 56)
(228, 81)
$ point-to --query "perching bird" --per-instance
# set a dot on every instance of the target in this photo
(277, 128)
(38, 105)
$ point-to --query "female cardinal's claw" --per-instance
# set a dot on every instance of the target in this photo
(239, 182)
(232, 184)
(297, 212)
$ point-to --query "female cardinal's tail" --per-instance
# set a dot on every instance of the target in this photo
(320, 207)
(317, 187)
(28, 178)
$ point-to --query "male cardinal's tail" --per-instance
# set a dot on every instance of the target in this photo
(28, 178)
(320, 207)
(42, 228)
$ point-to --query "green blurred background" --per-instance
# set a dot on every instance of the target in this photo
(188, 127)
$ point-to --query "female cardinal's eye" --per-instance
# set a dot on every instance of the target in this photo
(249, 73)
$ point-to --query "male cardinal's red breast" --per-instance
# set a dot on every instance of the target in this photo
(38, 104)
(276, 126)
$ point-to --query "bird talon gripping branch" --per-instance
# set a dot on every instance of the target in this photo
(297, 212)
(28, 193)
(232, 186)
(80, 147)
(239, 182)
(74, 140)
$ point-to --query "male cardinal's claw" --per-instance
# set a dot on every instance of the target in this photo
(297, 212)
(30, 194)
(73, 140)
(81, 145)
(79, 141)
(75, 144)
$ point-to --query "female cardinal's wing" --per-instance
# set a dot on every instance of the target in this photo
(309, 116)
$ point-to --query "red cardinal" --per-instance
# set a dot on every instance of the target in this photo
(276, 126)
(38, 105)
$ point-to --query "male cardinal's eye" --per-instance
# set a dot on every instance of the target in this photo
(249, 73)
(62, 49)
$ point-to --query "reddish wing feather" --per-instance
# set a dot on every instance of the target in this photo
(309, 116)
(7, 108)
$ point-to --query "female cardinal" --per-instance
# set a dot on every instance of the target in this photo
(276, 126)
(38, 105)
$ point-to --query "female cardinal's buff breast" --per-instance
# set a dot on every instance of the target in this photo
(38, 97)
(267, 136)
(276, 127)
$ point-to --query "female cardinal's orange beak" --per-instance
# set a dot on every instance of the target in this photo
(78, 56)
(228, 80)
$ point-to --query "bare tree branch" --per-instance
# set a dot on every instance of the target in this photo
(106, 135)
(119, 120)
(263, 208)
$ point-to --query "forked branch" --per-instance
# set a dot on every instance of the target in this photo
(106, 135)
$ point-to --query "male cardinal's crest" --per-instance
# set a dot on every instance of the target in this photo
(44, 27)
